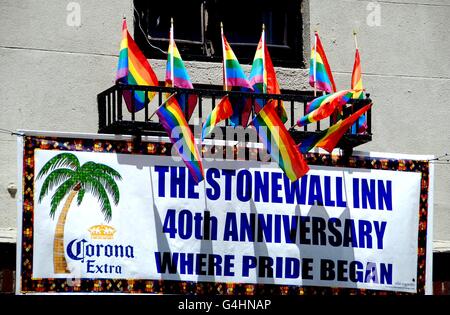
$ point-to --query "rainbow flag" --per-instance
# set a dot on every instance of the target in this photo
(177, 76)
(221, 112)
(327, 98)
(279, 143)
(323, 106)
(328, 139)
(134, 69)
(320, 75)
(359, 92)
(235, 79)
(263, 77)
(172, 119)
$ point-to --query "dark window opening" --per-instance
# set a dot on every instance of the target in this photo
(197, 28)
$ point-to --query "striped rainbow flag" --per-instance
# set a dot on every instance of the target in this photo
(235, 79)
(323, 106)
(320, 75)
(327, 98)
(279, 143)
(172, 119)
(221, 112)
(177, 76)
(134, 69)
(329, 138)
(357, 85)
(263, 77)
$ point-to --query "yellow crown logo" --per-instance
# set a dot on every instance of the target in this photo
(102, 232)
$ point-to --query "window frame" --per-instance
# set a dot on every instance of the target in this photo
(193, 50)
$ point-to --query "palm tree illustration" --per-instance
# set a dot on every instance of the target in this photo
(68, 178)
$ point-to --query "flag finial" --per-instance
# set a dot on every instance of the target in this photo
(263, 27)
(356, 40)
(124, 17)
(171, 21)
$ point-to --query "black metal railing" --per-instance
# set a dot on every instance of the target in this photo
(114, 118)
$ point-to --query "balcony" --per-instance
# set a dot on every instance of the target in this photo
(114, 117)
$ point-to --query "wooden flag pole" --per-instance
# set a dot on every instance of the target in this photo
(162, 104)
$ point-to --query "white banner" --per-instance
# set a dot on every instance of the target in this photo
(245, 223)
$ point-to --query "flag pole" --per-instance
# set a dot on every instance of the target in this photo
(171, 44)
(315, 63)
(162, 104)
(264, 58)
(356, 40)
(224, 59)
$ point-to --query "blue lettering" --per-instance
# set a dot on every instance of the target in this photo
(200, 263)
(198, 225)
(368, 193)
(290, 228)
(230, 230)
(379, 228)
(365, 236)
(386, 273)
(90, 250)
(277, 229)
(340, 193)
(261, 187)
(276, 187)
(279, 267)
(318, 227)
(90, 266)
(248, 262)
(161, 170)
(229, 265)
(355, 192)
(355, 271)
(108, 250)
(169, 225)
(328, 201)
(385, 195)
(247, 227)
(264, 228)
(185, 224)
(186, 263)
(213, 193)
(304, 230)
(177, 182)
(129, 251)
(295, 191)
(336, 238)
(192, 188)
(228, 176)
(349, 234)
(315, 191)
(79, 250)
(244, 184)
(292, 268)
(167, 263)
(371, 273)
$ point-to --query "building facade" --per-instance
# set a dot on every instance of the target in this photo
(58, 55)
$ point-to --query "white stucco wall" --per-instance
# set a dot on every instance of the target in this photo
(52, 72)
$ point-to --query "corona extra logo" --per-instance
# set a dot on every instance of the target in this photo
(102, 232)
